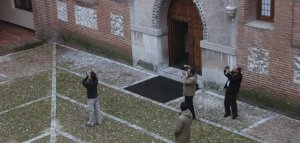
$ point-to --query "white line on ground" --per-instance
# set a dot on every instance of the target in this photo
(239, 102)
(23, 105)
(130, 67)
(141, 81)
(122, 121)
(38, 137)
(67, 135)
(53, 131)
(27, 75)
(125, 91)
(23, 51)
(3, 75)
(245, 130)
(71, 100)
(175, 100)
(180, 98)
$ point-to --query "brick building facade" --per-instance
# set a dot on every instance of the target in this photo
(105, 21)
(269, 52)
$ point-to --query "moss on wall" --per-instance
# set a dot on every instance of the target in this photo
(20, 46)
(98, 48)
(210, 85)
(271, 101)
(145, 65)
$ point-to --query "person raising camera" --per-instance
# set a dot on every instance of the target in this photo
(189, 87)
(90, 82)
(232, 87)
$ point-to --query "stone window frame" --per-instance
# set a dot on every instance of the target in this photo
(86, 3)
(19, 4)
(259, 9)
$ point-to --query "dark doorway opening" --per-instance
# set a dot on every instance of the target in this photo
(184, 36)
(180, 52)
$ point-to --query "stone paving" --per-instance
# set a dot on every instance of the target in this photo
(253, 122)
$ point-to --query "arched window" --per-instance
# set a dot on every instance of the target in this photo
(265, 10)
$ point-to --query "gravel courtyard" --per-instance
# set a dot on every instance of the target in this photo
(42, 100)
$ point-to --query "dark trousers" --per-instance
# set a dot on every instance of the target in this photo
(189, 102)
(230, 102)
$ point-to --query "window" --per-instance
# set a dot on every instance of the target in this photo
(265, 10)
(23, 4)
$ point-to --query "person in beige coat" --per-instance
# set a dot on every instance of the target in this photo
(189, 88)
(182, 131)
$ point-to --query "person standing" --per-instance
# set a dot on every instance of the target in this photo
(189, 87)
(90, 82)
(182, 131)
(232, 87)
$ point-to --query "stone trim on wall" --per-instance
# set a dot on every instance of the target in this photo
(205, 44)
(86, 17)
(156, 10)
(117, 26)
(297, 70)
(62, 12)
(258, 60)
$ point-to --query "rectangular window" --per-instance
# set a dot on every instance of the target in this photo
(265, 10)
(23, 4)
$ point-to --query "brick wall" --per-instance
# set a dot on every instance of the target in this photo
(278, 75)
(296, 24)
(48, 24)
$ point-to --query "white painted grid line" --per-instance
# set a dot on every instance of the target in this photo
(3, 75)
(175, 100)
(23, 105)
(67, 135)
(259, 123)
(27, 75)
(140, 81)
(71, 100)
(127, 66)
(156, 136)
(125, 91)
(239, 102)
(38, 137)
(22, 51)
(53, 131)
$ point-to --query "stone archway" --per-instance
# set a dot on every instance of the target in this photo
(184, 35)
(160, 10)
(160, 21)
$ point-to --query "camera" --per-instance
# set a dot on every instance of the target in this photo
(185, 67)
(227, 67)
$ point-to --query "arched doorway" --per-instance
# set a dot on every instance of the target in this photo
(185, 33)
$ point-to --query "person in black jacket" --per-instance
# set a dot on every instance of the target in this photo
(90, 82)
(232, 87)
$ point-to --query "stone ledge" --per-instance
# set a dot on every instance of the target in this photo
(261, 25)
(148, 31)
(215, 47)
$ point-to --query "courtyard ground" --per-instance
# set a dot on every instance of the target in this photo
(42, 100)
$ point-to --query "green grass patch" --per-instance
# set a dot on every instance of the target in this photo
(98, 48)
(20, 46)
(72, 118)
(25, 123)
(271, 101)
(23, 90)
(142, 113)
